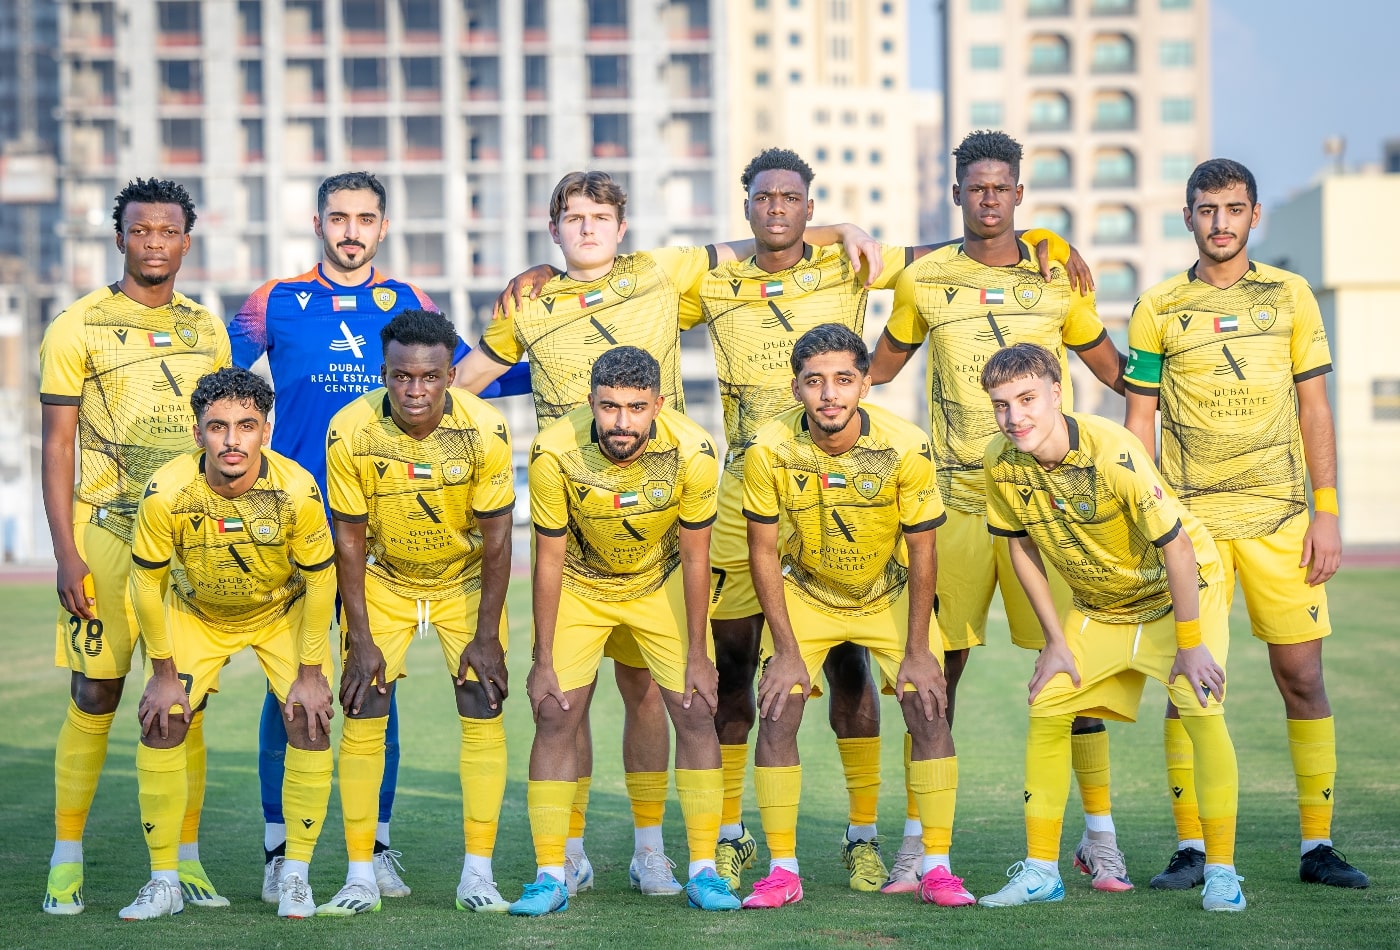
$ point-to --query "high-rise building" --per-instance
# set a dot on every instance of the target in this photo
(1111, 100)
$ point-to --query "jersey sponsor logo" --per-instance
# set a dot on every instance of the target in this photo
(303, 298)
(332, 438)
(623, 286)
(924, 451)
(1126, 460)
(801, 481)
(604, 334)
(1264, 317)
(383, 297)
(172, 381)
(197, 521)
(868, 486)
(735, 284)
(380, 468)
(1157, 492)
(158, 339)
(581, 491)
(1232, 365)
(1025, 494)
(150, 490)
(626, 500)
(949, 293)
(1227, 324)
(316, 494)
(1028, 295)
(237, 560)
(1184, 319)
(590, 299)
(630, 532)
(996, 331)
(548, 303)
(707, 449)
(425, 510)
(230, 525)
(341, 302)
(1312, 612)
(657, 493)
(500, 431)
(833, 480)
(780, 318)
(842, 527)
(992, 295)
(121, 334)
(350, 341)
(149, 826)
(419, 470)
(770, 288)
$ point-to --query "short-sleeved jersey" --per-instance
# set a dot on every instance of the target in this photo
(1224, 364)
(756, 316)
(573, 322)
(968, 311)
(844, 517)
(1100, 518)
(238, 561)
(420, 500)
(130, 370)
(622, 522)
(323, 350)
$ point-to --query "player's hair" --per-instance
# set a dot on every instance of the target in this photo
(154, 191)
(415, 327)
(234, 383)
(1018, 361)
(1217, 174)
(775, 159)
(986, 145)
(351, 181)
(595, 186)
(830, 338)
(626, 367)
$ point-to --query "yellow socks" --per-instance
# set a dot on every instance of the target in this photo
(361, 773)
(1047, 784)
(1089, 756)
(734, 760)
(78, 758)
(196, 774)
(549, 804)
(860, 759)
(1312, 744)
(1219, 798)
(306, 791)
(779, 789)
(483, 770)
(161, 789)
(647, 792)
(1181, 780)
(701, 792)
(934, 782)
(578, 815)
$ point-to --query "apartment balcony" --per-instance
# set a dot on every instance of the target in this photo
(475, 39)
(185, 38)
(607, 92)
(607, 33)
(365, 37)
(184, 155)
(610, 150)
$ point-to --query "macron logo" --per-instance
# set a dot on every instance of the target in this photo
(350, 341)
(304, 298)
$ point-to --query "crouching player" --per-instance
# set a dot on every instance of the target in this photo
(622, 494)
(421, 488)
(856, 564)
(247, 528)
(1149, 599)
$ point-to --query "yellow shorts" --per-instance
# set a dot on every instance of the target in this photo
(1115, 659)
(818, 630)
(99, 649)
(654, 623)
(394, 618)
(622, 645)
(1282, 607)
(729, 555)
(971, 565)
(202, 650)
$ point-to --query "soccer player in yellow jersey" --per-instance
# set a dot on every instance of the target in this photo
(116, 370)
(1076, 493)
(239, 534)
(606, 299)
(622, 494)
(1235, 355)
(969, 300)
(852, 562)
(421, 486)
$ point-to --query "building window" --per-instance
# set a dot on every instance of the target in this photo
(986, 57)
(1049, 112)
(1114, 111)
(1176, 169)
(179, 23)
(794, 39)
(422, 77)
(822, 117)
(1178, 110)
(422, 138)
(182, 141)
(536, 77)
(1112, 53)
(887, 46)
(1177, 53)
(1054, 218)
(1117, 281)
(367, 138)
(1114, 168)
(607, 77)
(876, 196)
(1048, 8)
(1112, 7)
(821, 154)
(984, 6)
(1050, 168)
(848, 156)
(760, 40)
(887, 82)
(875, 157)
(610, 136)
(1049, 54)
(795, 78)
(986, 113)
(760, 78)
(821, 192)
(1115, 224)
(1176, 4)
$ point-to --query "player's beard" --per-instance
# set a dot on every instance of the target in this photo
(156, 279)
(344, 263)
(1222, 255)
(833, 428)
(628, 449)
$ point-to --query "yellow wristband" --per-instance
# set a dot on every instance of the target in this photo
(1325, 499)
(1188, 634)
(1057, 247)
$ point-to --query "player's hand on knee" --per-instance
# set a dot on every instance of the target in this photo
(702, 679)
(1201, 671)
(541, 685)
(930, 689)
(75, 588)
(312, 693)
(1053, 660)
(780, 674)
(364, 670)
(488, 659)
(162, 693)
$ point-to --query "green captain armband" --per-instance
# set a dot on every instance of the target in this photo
(1143, 366)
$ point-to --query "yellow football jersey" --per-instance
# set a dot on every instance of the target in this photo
(756, 316)
(968, 311)
(130, 370)
(572, 322)
(1224, 364)
(622, 521)
(1100, 518)
(420, 501)
(238, 562)
(844, 517)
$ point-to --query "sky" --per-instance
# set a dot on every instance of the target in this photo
(1285, 75)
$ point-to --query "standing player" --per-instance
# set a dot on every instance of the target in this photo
(421, 488)
(856, 565)
(320, 332)
(622, 494)
(248, 531)
(115, 369)
(970, 300)
(1149, 599)
(605, 299)
(1237, 354)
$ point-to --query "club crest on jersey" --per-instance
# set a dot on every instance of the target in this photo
(1028, 295)
(808, 280)
(623, 285)
(454, 471)
(1264, 317)
(263, 530)
(868, 486)
(657, 493)
(383, 297)
(1082, 506)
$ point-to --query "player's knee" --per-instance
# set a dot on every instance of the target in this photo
(472, 702)
(299, 734)
(96, 697)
